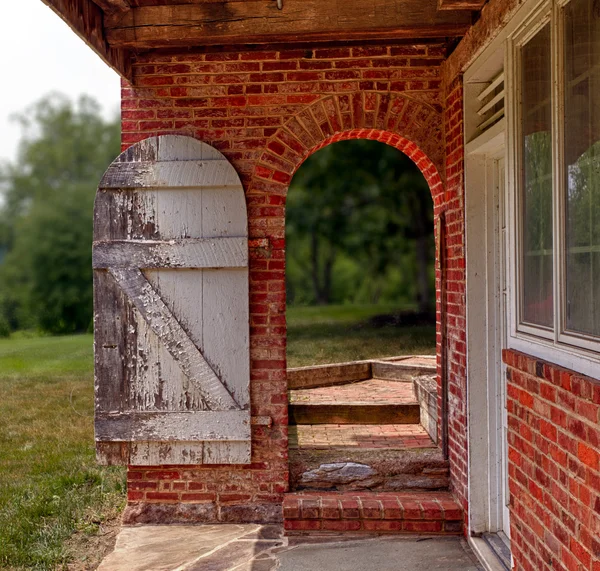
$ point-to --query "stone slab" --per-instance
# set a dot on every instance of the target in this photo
(382, 554)
(263, 548)
(413, 468)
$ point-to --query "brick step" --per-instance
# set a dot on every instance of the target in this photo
(371, 401)
(400, 369)
(366, 391)
(354, 413)
(356, 512)
(359, 457)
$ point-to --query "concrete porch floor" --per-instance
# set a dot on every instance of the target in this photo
(251, 547)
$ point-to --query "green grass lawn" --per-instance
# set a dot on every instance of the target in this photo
(51, 489)
(340, 333)
(50, 485)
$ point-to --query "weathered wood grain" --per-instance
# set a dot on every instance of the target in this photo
(197, 253)
(171, 174)
(161, 453)
(226, 452)
(112, 6)
(166, 327)
(86, 19)
(300, 20)
(226, 325)
(461, 4)
(112, 453)
(172, 426)
(179, 330)
(115, 336)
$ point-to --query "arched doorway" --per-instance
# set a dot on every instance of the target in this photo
(367, 419)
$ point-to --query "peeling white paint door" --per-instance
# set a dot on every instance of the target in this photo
(171, 317)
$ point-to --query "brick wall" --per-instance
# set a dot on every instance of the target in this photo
(554, 437)
(267, 111)
(455, 292)
(554, 466)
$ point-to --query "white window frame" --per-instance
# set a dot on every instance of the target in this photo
(577, 352)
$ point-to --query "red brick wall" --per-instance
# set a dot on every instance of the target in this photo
(455, 292)
(267, 111)
(554, 430)
(554, 466)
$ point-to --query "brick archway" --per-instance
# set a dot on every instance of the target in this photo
(410, 126)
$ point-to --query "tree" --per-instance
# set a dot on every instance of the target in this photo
(366, 202)
(46, 214)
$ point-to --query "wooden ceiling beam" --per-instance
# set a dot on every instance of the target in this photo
(461, 4)
(240, 22)
(85, 18)
(112, 6)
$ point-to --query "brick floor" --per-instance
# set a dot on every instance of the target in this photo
(403, 512)
(368, 392)
(324, 436)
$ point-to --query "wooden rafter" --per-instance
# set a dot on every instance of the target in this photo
(261, 22)
(85, 18)
(111, 6)
(461, 4)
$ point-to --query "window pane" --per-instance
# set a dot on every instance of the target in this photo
(582, 157)
(536, 188)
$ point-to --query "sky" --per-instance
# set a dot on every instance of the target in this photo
(40, 54)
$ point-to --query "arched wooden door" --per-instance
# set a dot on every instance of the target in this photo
(171, 318)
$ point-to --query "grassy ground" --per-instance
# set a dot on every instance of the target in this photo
(56, 504)
(344, 333)
(50, 486)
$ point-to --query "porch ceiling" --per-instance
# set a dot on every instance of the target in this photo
(116, 29)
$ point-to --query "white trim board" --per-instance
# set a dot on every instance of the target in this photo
(488, 559)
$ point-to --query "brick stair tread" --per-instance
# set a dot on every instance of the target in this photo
(401, 512)
(357, 436)
(366, 392)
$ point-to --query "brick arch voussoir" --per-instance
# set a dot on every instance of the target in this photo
(411, 126)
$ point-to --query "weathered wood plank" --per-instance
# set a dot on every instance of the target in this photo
(112, 6)
(196, 253)
(158, 382)
(112, 453)
(160, 320)
(115, 341)
(190, 426)
(225, 325)
(461, 4)
(86, 19)
(181, 292)
(300, 20)
(175, 339)
(161, 453)
(226, 452)
(172, 174)
(223, 213)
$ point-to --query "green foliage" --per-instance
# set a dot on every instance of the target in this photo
(359, 228)
(338, 333)
(50, 485)
(46, 214)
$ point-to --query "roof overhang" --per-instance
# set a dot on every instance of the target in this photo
(117, 29)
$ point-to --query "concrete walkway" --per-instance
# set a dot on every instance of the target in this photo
(252, 547)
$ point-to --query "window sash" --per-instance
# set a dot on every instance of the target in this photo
(526, 34)
(569, 347)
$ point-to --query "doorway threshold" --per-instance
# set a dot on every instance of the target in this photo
(492, 551)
